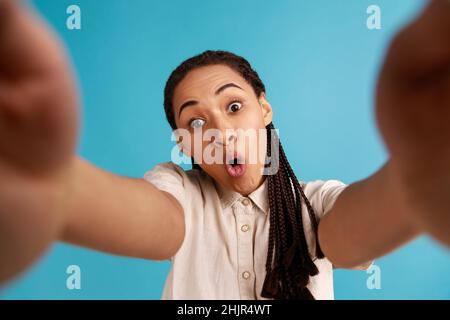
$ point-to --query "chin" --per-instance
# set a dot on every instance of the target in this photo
(244, 185)
(242, 190)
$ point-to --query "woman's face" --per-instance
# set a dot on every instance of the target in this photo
(216, 99)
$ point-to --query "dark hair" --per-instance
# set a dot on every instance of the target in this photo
(289, 264)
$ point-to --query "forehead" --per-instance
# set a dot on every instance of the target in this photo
(205, 80)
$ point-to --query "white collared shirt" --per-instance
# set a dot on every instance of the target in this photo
(224, 252)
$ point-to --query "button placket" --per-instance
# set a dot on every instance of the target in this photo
(245, 251)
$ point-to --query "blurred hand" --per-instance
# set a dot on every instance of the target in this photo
(38, 129)
(413, 114)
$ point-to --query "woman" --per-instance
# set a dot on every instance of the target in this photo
(181, 215)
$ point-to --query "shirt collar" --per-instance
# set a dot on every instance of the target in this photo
(260, 196)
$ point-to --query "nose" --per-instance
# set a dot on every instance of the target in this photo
(228, 134)
(228, 138)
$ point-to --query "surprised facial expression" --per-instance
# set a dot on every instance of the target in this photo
(226, 121)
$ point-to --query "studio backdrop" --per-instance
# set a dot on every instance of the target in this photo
(319, 61)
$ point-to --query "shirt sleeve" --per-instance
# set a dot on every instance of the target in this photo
(327, 192)
(323, 194)
(169, 177)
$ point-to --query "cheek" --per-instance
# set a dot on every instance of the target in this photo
(255, 146)
(252, 118)
(217, 172)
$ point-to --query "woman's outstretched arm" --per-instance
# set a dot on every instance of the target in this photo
(120, 215)
(46, 192)
(411, 193)
(367, 220)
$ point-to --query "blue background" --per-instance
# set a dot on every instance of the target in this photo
(319, 63)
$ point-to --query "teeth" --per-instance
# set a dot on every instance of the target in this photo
(233, 161)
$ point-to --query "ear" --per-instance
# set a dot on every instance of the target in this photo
(266, 108)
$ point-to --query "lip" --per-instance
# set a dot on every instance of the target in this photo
(235, 171)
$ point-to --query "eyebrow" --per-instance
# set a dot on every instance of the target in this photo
(218, 91)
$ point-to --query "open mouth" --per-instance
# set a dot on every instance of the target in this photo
(236, 167)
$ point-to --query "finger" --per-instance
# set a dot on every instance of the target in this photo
(422, 49)
(8, 9)
(27, 44)
(6, 6)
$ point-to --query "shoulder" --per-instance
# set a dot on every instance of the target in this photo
(181, 183)
(171, 172)
(188, 187)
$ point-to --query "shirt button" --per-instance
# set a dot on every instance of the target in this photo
(245, 202)
(245, 275)
(245, 228)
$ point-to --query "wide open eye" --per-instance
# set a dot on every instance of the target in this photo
(197, 123)
(234, 106)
